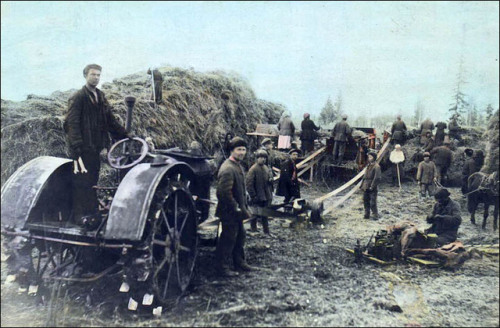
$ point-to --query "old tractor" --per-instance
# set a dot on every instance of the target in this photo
(148, 235)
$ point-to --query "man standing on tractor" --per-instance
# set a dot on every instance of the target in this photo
(232, 209)
(157, 93)
(87, 123)
(340, 132)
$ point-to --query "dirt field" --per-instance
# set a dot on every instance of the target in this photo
(306, 279)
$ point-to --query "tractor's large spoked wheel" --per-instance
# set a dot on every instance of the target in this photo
(173, 242)
(52, 260)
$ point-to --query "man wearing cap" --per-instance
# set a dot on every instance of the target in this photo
(288, 184)
(445, 218)
(259, 185)
(472, 165)
(398, 131)
(426, 126)
(308, 134)
(87, 123)
(442, 157)
(232, 209)
(267, 146)
(340, 132)
(426, 175)
(369, 184)
(429, 142)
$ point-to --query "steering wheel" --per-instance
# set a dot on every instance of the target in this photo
(127, 153)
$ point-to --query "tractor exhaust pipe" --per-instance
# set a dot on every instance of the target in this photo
(130, 102)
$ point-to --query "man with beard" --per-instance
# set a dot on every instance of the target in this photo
(442, 157)
(232, 209)
(445, 218)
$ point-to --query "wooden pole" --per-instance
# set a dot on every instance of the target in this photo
(399, 179)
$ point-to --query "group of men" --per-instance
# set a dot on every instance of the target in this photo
(89, 120)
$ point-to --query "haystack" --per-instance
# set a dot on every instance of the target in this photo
(196, 106)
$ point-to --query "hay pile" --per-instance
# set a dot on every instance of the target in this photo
(196, 106)
(491, 135)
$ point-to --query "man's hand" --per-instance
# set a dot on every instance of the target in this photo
(82, 166)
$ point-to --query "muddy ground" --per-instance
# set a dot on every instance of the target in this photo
(306, 279)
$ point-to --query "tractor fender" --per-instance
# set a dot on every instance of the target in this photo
(130, 206)
(23, 189)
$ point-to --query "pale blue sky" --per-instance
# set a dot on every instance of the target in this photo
(382, 56)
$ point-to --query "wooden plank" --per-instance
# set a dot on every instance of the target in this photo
(308, 158)
(309, 166)
(356, 178)
(343, 199)
(424, 262)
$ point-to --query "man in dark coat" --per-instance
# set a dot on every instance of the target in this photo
(87, 123)
(398, 131)
(472, 165)
(340, 133)
(426, 126)
(308, 134)
(369, 185)
(445, 218)
(158, 85)
(259, 185)
(439, 137)
(454, 128)
(232, 209)
(442, 157)
(429, 142)
(288, 184)
(426, 175)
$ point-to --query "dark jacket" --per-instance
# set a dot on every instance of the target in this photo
(442, 156)
(439, 138)
(472, 165)
(445, 220)
(286, 127)
(308, 130)
(426, 125)
(288, 184)
(429, 144)
(231, 191)
(398, 130)
(259, 183)
(87, 124)
(453, 125)
(372, 177)
(157, 77)
(426, 172)
(341, 130)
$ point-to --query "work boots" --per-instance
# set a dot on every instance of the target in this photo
(224, 272)
(245, 267)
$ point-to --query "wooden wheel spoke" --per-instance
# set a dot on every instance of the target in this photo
(178, 270)
(184, 248)
(168, 278)
(169, 230)
(175, 212)
(160, 266)
(183, 224)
